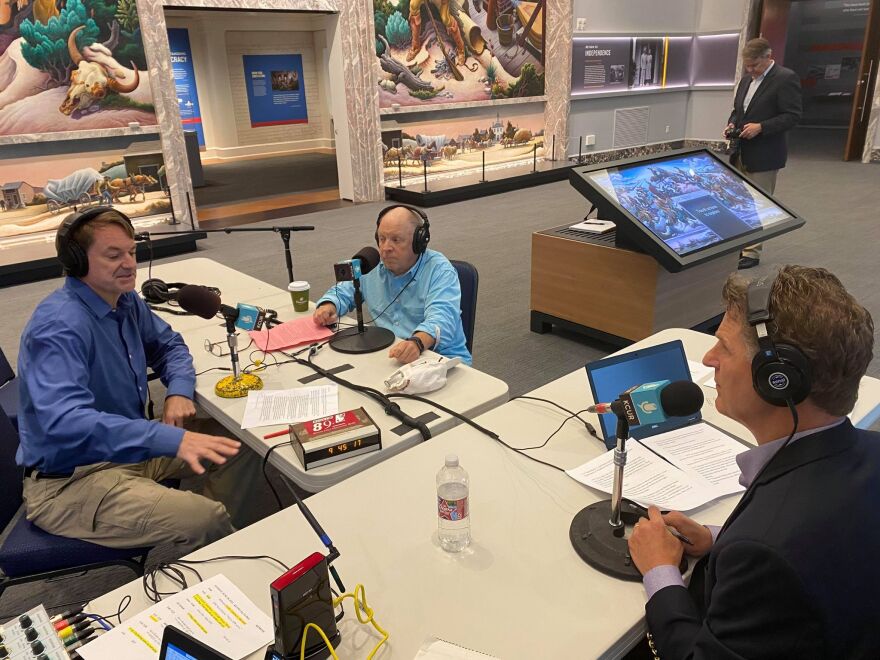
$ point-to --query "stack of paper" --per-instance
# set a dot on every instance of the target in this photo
(678, 470)
(300, 404)
(299, 331)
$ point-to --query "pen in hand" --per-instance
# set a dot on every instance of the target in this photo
(681, 537)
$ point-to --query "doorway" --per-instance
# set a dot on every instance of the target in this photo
(255, 88)
(833, 47)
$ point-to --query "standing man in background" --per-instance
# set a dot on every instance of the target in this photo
(766, 106)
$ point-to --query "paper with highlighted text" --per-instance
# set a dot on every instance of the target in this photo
(215, 612)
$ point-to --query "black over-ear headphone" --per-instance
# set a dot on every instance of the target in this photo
(781, 373)
(156, 291)
(422, 234)
(70, 253)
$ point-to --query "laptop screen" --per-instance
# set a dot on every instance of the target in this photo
(613, 375)
(173, 652)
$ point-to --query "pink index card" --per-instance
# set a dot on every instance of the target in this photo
(303, 330)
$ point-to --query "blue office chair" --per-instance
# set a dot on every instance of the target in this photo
(8, 389)
(469, 280)
(29, 554)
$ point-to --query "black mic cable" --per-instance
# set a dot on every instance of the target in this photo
(389, 407)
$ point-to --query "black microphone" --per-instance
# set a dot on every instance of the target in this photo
(362, 339)
(199, 300)
(654, 403)
(369, 258)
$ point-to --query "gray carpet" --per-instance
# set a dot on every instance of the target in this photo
(839, 201)
(263, 177)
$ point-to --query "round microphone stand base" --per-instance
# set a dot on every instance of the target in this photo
(373, 338)
(235, 388)
(594, 540)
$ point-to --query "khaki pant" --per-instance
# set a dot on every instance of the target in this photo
(123, 506)
(767, 181)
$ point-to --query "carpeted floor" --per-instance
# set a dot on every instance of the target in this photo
(253, 179)
(839, 201)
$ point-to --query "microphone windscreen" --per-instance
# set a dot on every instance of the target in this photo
(199, 300)
(369, 257)
(681, 398)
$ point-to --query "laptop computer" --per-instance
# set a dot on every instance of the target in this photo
(613, 375)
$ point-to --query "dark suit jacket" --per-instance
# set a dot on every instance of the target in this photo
(776, 105)
(795, 572)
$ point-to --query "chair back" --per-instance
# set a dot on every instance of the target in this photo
(6, 372)
(469, 281)
(10, 474)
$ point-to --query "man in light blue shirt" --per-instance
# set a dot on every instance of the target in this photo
(92, 460)
(414, 292)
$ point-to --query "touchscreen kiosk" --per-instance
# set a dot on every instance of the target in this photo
(683, 208)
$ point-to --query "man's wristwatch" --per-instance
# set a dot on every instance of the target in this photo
(418, 342)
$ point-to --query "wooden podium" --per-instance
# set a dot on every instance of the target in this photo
(583, 282)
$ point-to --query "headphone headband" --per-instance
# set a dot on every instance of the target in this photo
(422, 234)
(70, 253)
(781, 373)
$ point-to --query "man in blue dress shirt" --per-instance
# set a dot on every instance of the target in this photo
(92, 460)
(793, 573)
(414, 292)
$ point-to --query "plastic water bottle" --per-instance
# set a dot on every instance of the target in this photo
(453, 509)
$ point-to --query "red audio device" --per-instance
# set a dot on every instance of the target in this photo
(299, 597)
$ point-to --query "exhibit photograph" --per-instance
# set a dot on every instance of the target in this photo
(453, 51)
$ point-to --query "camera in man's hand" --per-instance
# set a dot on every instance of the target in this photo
(733, 132)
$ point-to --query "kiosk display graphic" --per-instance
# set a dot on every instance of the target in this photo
(683, 208)
(451, 51)
(185, 82)
(275, 90)
(72, 66)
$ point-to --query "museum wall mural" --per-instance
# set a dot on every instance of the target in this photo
(37, 192)
(69, 65)
(455, 51)
(456, 145)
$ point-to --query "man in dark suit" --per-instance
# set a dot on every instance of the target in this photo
(766, 106)
(793, 573)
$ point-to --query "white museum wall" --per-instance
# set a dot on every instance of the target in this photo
(694, 114)
(596, 117)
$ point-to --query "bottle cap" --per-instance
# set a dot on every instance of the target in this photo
(451, 460)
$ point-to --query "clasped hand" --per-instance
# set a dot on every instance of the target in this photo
(651, 543)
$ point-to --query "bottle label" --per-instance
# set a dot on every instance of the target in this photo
(452, 509)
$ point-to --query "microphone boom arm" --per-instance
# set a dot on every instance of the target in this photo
(283, 231)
